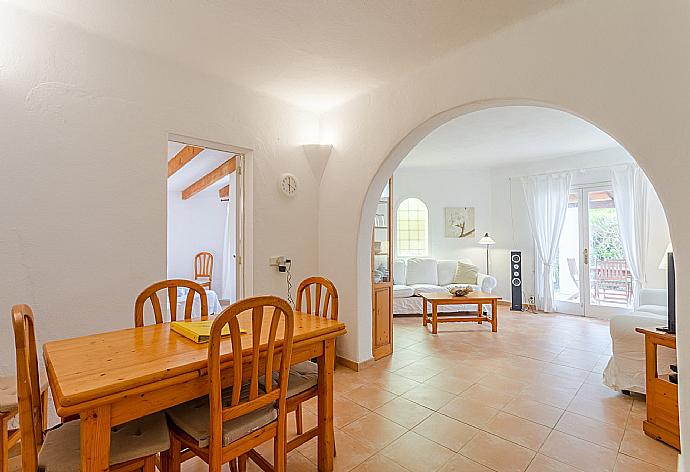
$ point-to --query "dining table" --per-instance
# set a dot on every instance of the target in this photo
(108, 379)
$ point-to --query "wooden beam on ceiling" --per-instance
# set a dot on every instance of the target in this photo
(182, 158)
(226, 168)
(224, 192)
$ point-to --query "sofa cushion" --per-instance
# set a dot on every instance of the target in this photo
(655, 309)
(465, 273)
(427, 288)
(421, 271)
(402, 291)
(446, 270)
(399, 272)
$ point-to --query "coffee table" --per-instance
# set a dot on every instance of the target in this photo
(446, 298)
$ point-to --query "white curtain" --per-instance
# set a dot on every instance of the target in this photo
(227, 286)
(630, 190)
(547, 202)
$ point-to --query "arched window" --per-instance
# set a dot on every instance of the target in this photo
(413, 228)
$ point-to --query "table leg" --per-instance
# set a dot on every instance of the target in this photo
(494, 315)
(424, 312)
(95, 439)
(325, 405)
(479, 312)
(434, 318)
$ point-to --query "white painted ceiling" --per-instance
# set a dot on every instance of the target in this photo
(313, 53)
(506, 135)
(202, 164)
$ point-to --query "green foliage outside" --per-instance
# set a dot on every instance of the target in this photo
(605, 241)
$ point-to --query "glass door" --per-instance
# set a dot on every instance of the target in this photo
(591, 277)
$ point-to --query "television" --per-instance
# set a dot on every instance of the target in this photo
(671, 289)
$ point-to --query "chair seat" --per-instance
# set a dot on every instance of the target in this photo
(8, 391)
(193, 418)
(136, 439)
(303, 376)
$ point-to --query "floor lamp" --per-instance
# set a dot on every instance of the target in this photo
(487, 241)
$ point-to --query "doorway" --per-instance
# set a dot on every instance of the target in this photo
(206, 216)
(591, 277)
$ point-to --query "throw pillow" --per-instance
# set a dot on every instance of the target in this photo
(466, 274)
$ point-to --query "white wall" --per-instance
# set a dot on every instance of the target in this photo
(195, 225)
(439, 189)
(83, 180)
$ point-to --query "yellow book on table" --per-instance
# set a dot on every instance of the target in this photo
(198, 331)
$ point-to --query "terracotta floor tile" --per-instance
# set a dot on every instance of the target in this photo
(630, 464)
(542, 463)
(578, 453)
(449, 383)
(518, 430)
(370, 396)
(418, 372)
(598, 432)
(404, 412)
(490, 397)
(468, 411)
(351, 451)
(608, 412)
(460, 463)
(640, 446)
(395, 383)
(446, 431)
(417, 454)
(432, 398)
(345, 411)
(497, 454)
(534, 411)
(375, 430)
(378, 463)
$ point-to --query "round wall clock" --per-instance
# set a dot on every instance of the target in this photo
(288, 184)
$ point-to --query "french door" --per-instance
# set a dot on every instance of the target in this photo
(591, 276)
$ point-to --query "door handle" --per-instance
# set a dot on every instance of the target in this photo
(585, 255)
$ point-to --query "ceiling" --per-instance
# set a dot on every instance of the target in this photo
(313, 53)
(202, 164)
(506, 135)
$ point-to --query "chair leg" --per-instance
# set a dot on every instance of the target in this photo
(242, 463)
(233, 465)
(279, 446)
(298, 419)
(149, 464)
(44, 409)
(164, 465)
(175, 455)
(4, 443)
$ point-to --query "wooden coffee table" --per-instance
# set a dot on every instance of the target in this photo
(446, 298)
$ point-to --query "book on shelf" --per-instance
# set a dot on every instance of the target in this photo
(198, 331)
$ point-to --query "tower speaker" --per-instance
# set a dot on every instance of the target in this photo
(516, 280)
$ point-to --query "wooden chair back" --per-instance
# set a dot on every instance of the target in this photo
(612, 270)
(314, 304)
(203, 265)
(28, 387)
(267, 314)
(151, 293)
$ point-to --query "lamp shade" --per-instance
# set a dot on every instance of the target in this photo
(487, 239)
(663, 264)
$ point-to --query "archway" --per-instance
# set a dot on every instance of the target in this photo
(393, 160)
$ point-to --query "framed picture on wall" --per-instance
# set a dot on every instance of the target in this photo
(459, 222)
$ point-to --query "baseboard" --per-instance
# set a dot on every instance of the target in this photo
(352, 365)
(525, 306)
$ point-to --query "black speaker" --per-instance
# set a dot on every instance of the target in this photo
(516, 280)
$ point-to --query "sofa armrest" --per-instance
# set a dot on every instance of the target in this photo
(487, 283)
(654, 296)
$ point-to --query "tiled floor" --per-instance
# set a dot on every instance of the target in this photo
(528, 398)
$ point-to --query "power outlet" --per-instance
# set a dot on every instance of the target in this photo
(276, 261)
(531, 300)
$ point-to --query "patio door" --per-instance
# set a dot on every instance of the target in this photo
(591, 276)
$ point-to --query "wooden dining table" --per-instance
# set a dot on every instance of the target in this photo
(111, 378)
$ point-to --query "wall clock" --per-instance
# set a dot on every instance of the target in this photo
(288, 184)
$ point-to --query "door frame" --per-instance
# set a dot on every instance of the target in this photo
(244, 206)
(585, 307)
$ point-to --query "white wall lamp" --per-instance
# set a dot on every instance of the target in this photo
(317, 156)
(487, 241)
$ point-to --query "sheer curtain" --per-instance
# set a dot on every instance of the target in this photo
(227, 286)
(630, 189)
(547, 202)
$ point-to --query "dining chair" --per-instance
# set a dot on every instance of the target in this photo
(303, 378)
(133, 445)
(150, 293)
(231, 422)
(203, 268)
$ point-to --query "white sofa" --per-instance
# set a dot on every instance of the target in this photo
(418, 275)
(626, 368)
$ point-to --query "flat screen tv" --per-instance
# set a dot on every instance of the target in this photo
(671, 289)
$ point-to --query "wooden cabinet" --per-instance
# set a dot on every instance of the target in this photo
(382, 276)
(662, 395)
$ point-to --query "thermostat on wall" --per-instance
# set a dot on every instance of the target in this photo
(288, 184)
